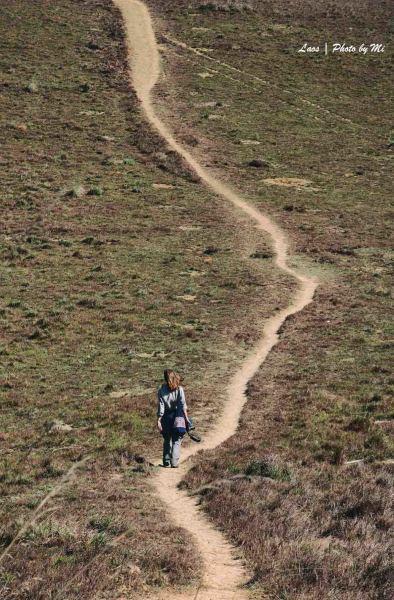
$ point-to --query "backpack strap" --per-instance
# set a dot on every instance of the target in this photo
(178, 404)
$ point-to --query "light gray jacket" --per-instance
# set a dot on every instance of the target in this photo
(167, 400)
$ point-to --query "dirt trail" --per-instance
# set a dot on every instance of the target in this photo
(223, 573)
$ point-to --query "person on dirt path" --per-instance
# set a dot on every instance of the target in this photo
(172, 417)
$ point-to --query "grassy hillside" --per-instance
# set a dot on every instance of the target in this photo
(115, 264)
(308, 139)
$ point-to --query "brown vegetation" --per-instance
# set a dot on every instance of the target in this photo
(88, 317)
(311, 524)
(88, 321)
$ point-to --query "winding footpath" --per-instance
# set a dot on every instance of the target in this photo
(223, 573)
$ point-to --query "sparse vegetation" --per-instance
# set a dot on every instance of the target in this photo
(306, 525)
(87, 324)
(88, 320)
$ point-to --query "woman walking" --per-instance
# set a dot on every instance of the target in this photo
(172, 417)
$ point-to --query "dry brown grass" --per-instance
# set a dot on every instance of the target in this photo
(311, 525)
(329, 15)
(84, 312)
(88, 321)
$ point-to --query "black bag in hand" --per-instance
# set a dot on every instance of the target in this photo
(189, 428)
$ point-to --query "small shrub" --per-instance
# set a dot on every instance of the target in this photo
(84, 88)
(36, 334)
(226, 5)
(100, 539)
(78, 191)
(49, 471)
(42, 323)
(376, 439)
(268, 468)
(95, 191)
(87, 303)
(231, 468)
(32, 87)
(6, 578)
(63, 559)
(359, 423)
(261, 254)
(211, 250)
(14, 304)
(107, 523)
(91, 241)
(88, 240)
(100, 522)
(258, 163)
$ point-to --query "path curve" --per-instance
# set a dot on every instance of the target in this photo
(223, 573)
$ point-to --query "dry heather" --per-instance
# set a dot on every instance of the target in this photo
(111, 270)
(331, 14)
(89, 320)
(284, 488)
(226, 5)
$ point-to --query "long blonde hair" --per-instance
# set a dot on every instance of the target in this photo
(172, 378)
